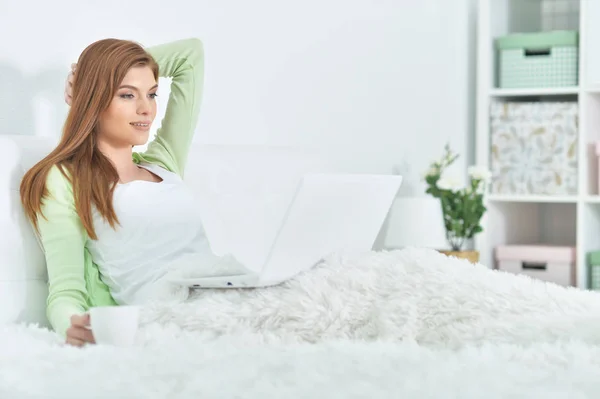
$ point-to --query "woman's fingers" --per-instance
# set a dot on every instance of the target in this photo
(75, 342)
(82, 320)
(85, 334)
(69, 88)
(79, 333)
(82, 334)
(69, 84)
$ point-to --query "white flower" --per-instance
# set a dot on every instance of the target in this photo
(448, 182)
(432, 171)
(479, 173)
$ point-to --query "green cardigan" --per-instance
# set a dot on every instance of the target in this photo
(73, 278)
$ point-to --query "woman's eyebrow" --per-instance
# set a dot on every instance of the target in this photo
(135, 88)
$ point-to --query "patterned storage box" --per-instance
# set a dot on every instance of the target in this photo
(534, 148)
(542, 59)
(554, 264)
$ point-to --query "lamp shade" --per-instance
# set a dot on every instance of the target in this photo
(415, 222)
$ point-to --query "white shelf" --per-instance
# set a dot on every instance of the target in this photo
(545, 199)
(558, 91)
(558, 199)
(528, 219)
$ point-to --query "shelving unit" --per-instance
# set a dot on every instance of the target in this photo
(572, 220)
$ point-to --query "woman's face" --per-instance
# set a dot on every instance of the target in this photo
(131, 112)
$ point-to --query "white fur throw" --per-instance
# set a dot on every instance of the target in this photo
(409, 323)
(412, 294)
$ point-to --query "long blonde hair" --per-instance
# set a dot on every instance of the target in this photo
(100, 70)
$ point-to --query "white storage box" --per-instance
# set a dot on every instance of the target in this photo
(554, 264)
(534, 148)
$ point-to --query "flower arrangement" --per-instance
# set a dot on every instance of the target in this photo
(462, 207)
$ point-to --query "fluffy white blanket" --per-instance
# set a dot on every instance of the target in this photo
(409, 323)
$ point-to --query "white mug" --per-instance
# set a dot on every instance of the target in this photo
(114, 325)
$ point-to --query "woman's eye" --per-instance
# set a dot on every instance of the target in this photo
(130, 96)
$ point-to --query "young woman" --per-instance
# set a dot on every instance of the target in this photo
(111, 220)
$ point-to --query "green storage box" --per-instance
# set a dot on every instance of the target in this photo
(594, 270)
(538, 60)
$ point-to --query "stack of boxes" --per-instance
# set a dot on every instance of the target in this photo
(534, 144)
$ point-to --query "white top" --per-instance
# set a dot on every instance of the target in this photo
(160, 229)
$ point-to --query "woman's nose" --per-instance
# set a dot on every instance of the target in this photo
(143, 107)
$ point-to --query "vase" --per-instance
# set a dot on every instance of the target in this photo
(471, 256)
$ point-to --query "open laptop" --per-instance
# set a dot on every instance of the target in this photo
(329, 213)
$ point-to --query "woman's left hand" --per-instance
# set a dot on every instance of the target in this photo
(69, 85)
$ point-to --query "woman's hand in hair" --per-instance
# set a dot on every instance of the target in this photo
(79, 333)
(69, 85)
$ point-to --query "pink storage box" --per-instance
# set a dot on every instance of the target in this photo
(554, 264)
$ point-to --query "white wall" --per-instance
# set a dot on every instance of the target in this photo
(381, 83)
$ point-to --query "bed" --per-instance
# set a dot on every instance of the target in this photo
(445, 329)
